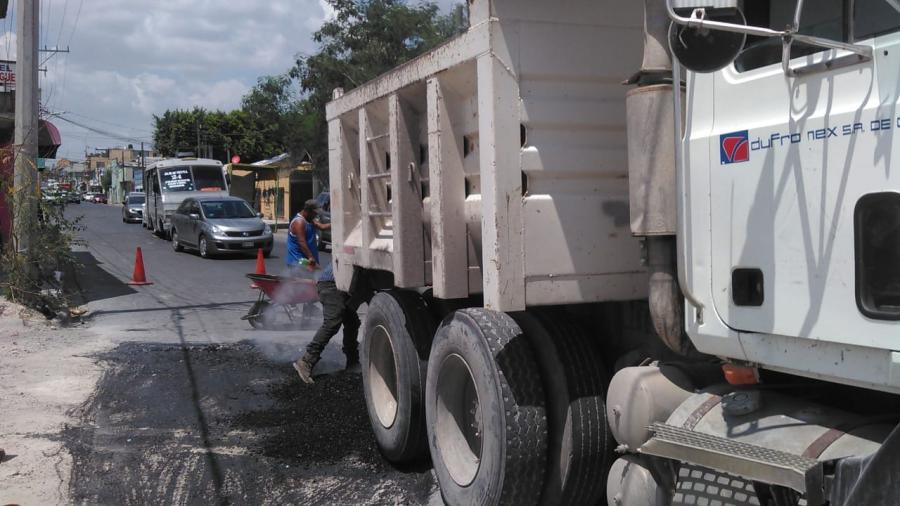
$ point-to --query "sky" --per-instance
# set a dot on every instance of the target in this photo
(131, 59)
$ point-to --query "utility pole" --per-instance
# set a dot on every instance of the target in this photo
(25, 179)
(198, 140)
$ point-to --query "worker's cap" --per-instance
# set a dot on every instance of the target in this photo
(312, 206)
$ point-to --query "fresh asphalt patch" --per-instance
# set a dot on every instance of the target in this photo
(224, 424)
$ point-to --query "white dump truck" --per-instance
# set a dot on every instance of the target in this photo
(602, 278)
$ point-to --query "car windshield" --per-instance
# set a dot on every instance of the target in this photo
(136, 200)
(226, 209)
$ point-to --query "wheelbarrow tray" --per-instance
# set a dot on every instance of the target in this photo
(286, 290)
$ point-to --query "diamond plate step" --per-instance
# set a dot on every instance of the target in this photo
(742, 459)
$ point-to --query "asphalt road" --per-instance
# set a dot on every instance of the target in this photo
(195, 407)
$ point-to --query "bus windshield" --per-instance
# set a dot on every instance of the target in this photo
(203, 178)
(208, 178)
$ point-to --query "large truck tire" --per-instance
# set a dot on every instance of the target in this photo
(485, 405)
(394, 356)
(580, 445)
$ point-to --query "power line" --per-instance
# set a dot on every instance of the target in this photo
(62, 20)
(73, 113)
(111, 135)
(75, 25)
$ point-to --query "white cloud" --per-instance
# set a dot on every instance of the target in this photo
(131, 59)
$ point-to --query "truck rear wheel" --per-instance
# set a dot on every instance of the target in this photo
(487, 423)
(396, 342)
(580, 444)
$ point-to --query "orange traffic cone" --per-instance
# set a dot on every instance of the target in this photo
(139, 277)
(260, 266)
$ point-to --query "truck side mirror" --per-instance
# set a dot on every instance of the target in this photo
(194, 216)
(708, 50)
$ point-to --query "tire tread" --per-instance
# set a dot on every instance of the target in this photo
(524, 405)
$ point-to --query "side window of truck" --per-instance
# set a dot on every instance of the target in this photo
(822, 18)
(875, 17)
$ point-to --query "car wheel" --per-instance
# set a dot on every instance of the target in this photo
(267, 253)
(203, 246)
(176, 244)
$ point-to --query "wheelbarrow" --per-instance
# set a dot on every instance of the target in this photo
(286, 293)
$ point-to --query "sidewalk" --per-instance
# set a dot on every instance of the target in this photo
(46, 373)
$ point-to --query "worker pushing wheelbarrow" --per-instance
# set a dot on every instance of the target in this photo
(279, 291)
(302, 262)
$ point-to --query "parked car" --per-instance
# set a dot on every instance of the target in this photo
(323, 237)
(72, 197)
(53, 197)
(217, 224)
(133, 207)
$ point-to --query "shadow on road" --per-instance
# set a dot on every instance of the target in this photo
(211, 305)
(224, 424)
(94, 282)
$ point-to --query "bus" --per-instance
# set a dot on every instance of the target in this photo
(168, 182)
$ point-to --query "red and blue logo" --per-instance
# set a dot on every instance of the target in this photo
(734, 147)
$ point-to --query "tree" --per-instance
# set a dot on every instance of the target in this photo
(364, 39)
(287, 112)
(226, 133)
(106, 180)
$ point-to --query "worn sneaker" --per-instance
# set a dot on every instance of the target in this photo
(304, 369)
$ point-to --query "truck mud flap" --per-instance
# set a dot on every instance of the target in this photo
(871, 480)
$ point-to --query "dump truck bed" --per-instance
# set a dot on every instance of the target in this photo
(496, 163)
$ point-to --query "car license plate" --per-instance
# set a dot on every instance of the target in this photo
(247, 244)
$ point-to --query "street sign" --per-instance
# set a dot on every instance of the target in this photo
(8, 74)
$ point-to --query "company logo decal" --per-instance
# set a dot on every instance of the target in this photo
(734, 147)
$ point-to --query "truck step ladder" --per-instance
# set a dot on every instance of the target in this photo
(734, 457)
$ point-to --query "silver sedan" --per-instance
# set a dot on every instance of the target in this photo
(214, 225)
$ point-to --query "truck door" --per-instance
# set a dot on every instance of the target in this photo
(790, 159)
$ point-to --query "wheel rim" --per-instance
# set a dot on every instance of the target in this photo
(174, 239)
(458, 423)
(383, 376)
(203, 246)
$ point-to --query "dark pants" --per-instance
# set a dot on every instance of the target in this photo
(338, 308)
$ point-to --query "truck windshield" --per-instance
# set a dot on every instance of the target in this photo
(226, 209)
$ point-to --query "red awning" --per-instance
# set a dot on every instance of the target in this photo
(49, 139)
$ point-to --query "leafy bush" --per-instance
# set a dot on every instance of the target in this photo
(34, 277)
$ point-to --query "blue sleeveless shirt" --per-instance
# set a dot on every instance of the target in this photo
(294, 253)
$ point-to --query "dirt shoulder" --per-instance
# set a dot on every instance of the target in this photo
(46, 372)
